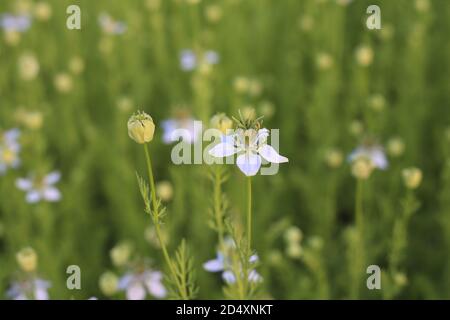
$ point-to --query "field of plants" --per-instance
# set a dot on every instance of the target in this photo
(95, 204)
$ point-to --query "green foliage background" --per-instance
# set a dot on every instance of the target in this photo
(84, 136)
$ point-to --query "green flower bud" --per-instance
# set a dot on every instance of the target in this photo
(412, 177)
(221, 122)
(27, 259)
(108, 283)
(141, 128)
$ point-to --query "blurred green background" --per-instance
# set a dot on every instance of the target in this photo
(311, 67)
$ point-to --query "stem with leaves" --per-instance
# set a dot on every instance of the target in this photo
(181, 275)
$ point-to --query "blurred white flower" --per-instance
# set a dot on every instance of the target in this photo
(377, 102)
(108, 283)
(184, 126)
(40, 189)
(396, 146)
(9, 150)
(31, 119)
(11, 38)
(110, 25)
(422, 5)
(121, 253)
(63, 82)
(364, 55)
(17, 23)
(324, 61)
(164, 190)
(334, 158)
(42, 11)
(251, 145)
(137, 285)
(189, 60)
(223, 264)
(28, 66)
(76, 65)
(375, 153)
(213, 13)
(31, 289)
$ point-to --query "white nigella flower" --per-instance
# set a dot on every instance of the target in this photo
(111, 26)
(32, 289)
(222, 264)
(375, 153)
(40, 189)
(181, 126)
(9, 150)
(137, 285)
(250, 145)
(16, 23)
(189, 60)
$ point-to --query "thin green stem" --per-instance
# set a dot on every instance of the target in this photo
(181, 288)
(359, 245)
(359, 208)
(218, 207)
(249, 214)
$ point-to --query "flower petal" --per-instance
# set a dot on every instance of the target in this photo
(228, 276)
(215, 265)
(253, 259)
(51, 194)
(254, 276)
(223, 149)
(124, 281)
(135, 291)
(261, 136)
(24, 184)
(11, 135)
(271, 155)
(249, 163)
(33, 196)
(154, 285)
(379, 159)
(52, 177)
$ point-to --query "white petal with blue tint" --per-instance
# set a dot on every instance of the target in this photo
(379, 159)
(52, 178)
(215, 265)
(254, 258)
(24, 184)
(125, 281)
(33, 196)
(154, 284)
(254, 276)
(249, 163)
(223, 149)
(136, 291)
(228, 277)
(271, 155)
(51, 194)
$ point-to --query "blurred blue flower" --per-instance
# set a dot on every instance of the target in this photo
(223, 264)
(32, 289)
(136, 285)
(18, 23)
(184, 128)
(40, 189)
(375, 153)
(189, 59)
(9, 150)
(111, 26)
